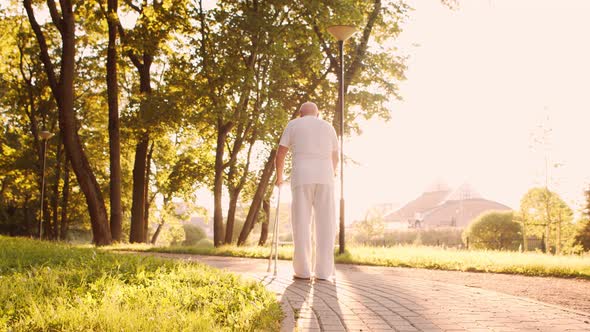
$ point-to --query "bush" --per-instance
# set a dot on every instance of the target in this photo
(204, 243)
(494, 230)
(192, 235)
(368, 230)
(447, 236)
(450, 237)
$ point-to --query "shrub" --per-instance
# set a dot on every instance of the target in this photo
(494, 230)
(192, 235)
(205, 243)
(441, 236)
(368, 230)
(583, 235)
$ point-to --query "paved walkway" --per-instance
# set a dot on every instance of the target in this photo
(376, 299)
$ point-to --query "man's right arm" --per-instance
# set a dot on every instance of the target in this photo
(284, 144)
(280, 163)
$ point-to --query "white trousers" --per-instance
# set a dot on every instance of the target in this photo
(320, 198)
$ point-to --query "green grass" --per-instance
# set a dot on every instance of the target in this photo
(53, 287)
(531, 264)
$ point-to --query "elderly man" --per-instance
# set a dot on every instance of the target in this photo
(314, 146)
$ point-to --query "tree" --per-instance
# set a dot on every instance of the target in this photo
(369, 229)
(545, 213)
(583, 234)
(143, 43)
(494, 230)
(371, 73)
(114, 135)
(62, 87)
(583, 230)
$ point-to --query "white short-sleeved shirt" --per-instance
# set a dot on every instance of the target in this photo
(312, 141)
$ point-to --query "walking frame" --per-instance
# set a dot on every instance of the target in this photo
(274, 242)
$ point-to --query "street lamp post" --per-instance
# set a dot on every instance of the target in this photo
(44, 135)
(341, 33)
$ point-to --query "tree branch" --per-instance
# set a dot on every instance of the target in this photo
(55, 17)
(132, 6)
(324, 45)
(129, 52)
(361, 48)
(44, 53)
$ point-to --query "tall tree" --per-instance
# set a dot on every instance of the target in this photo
(114, 131)
(582, 236)
(143, 43)
(228, 66)
(62, 87)
(373, 72)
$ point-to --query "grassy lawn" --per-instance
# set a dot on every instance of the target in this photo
(531, 264)
(53, 287)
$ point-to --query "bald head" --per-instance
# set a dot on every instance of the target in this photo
(308, 108)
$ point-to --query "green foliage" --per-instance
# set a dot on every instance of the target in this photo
(450, 237)
(494, 230)
(50, 287)
(545, 213)
(193, 235)
(368, 230)
(247, 65)
(583, 234)
(204, 243)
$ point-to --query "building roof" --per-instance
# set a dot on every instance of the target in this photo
(460, 213)
(425, 202)
(440, 206)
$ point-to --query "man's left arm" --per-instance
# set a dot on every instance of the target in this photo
(335, 154)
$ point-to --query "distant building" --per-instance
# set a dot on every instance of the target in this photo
(440, 206)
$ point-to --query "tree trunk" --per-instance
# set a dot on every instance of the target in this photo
(234, 190)
(55, 197)
(258, 197)
(63, 227)
(146, 213)
(137, 233)
(218, 236)
(63, 92)
(558, 244)
(264, 226)
(114, 135)
(138, 204)
(26, 216)
(231, 216)
(547, 238)
(525, 240)
(157, 232)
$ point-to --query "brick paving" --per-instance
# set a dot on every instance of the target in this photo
(376, 300)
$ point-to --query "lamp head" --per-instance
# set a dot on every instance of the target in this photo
(341, 32)
(45, 135)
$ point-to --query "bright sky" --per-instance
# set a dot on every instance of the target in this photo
(478, 85)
